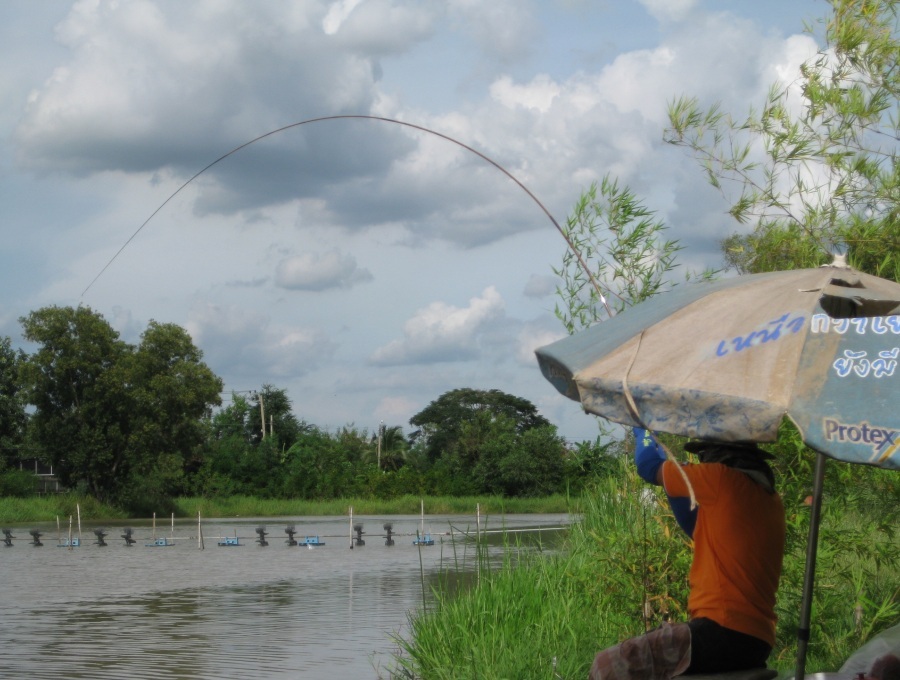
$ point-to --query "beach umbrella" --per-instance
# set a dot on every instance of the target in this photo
(728, 360)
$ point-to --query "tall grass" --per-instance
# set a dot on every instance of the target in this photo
(14, 510)
(507, 608)
(539, 615)
(624, 570)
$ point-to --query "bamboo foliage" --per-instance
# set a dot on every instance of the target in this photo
(616, 240)
(814, 169)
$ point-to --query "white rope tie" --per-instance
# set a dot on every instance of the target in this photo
(634, 413)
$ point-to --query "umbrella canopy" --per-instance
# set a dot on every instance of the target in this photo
(728, 360)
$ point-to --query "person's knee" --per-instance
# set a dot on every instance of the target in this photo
(657, 655)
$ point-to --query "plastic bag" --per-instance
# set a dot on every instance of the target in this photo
(879, 649)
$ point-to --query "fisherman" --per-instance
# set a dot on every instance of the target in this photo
(738, 532)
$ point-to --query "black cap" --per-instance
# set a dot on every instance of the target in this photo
(751, 448)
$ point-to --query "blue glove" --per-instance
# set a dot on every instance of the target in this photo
(649, 457)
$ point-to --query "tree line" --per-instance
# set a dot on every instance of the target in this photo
(136, 425)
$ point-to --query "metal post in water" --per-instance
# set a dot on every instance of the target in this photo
(478, 541)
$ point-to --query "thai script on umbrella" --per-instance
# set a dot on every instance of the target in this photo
(759, 337)
(822, 323)
(858, 363)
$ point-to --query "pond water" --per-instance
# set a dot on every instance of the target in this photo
(242, 611)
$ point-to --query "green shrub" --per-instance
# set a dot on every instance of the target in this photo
(17, 483)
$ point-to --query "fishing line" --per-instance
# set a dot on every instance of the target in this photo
(494, 163)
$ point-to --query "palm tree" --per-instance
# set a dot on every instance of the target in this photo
(393, 447)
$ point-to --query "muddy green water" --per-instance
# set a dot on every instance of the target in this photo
(243, 611)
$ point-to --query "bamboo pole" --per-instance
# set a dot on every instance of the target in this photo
(58, 532)
(154, 527)
(351, 527)
(70, 532)
(78, 510)
(173, 525)
(199, 533)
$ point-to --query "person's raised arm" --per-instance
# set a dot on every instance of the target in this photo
(649, 458)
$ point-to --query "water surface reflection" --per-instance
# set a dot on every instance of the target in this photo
(222, 612)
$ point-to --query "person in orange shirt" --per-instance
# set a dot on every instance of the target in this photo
(738, 534)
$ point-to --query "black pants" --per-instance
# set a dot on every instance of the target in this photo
(716, 649)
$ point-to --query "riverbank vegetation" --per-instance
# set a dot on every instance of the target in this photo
(241, 506)
(46, 508)
(624, 570)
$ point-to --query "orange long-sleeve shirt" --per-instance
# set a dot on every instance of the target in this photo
(738, 547)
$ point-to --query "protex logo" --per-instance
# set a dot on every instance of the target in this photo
(884, 441)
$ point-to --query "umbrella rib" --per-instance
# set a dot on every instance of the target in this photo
(634, 412)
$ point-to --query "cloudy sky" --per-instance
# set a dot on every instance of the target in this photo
(365, 267)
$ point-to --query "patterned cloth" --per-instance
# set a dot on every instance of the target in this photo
(659, 655)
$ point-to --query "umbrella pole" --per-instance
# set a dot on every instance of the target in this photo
(812, 545)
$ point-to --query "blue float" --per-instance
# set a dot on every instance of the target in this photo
(159, 543)
(424, 539)
(312, 542)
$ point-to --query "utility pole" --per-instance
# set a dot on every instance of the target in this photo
(380, 430)
(262, 415)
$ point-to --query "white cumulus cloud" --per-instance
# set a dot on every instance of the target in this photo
(317, 272)
(442, 332)
(257, 349)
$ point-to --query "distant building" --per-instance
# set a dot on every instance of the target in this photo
(45, 481)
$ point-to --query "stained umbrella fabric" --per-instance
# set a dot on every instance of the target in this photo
(729, 359)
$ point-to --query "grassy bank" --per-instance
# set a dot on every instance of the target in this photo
(48, 508)
(624, 570)
(243, 506)
(545, 618)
